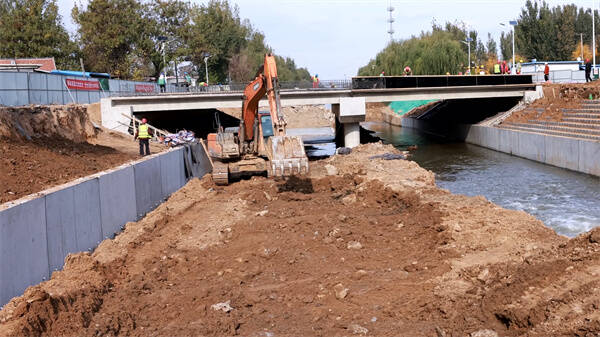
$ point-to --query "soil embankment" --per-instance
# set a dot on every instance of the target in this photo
(557, 96)
(364, 246)
(45, 146)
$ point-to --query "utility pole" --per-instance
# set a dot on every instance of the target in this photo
(391, 21)
(581, 38)
(206, 56)
(594, 37)
(468, 43)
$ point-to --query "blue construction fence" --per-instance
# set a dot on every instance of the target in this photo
(24, 88)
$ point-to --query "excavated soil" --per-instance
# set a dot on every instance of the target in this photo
(556, 97)
(364, 246)
(45, 146)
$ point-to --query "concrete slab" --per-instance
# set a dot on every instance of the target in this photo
(562, 152)
(60, 226)
(490, 137)
(589, 157)
(88, 218)
(148, 185)
(172, 172)
(352, 110)
(117, 200)
(531, 146)
(23, 248)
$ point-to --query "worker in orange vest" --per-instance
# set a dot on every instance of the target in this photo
(546, 72)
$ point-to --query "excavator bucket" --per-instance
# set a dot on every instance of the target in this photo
(288, 156)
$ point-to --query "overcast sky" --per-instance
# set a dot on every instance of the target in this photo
(333, 38)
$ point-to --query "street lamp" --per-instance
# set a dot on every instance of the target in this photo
(468, 43)
(512, 23)
(206, 56)
(163, 39)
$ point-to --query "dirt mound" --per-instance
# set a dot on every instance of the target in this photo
(301, 116)
(32, 166)
(365, 246)
(64, 121)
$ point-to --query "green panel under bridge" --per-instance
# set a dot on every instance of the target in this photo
(402, 107)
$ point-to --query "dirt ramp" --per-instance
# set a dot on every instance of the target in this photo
(64, 121)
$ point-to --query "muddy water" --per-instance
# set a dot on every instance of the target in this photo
(566, 201)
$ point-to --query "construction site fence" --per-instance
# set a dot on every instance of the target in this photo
(559, 76)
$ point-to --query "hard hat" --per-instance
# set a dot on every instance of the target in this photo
(546, 63)
(521, 61)
(587, 60)
(316, 75)
(144, 120)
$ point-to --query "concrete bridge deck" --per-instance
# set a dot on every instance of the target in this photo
(347, 104)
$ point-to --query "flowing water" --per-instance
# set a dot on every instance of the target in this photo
(566, 201)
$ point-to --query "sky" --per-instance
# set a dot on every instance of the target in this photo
(333, 38)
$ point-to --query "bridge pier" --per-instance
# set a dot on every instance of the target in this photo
(350, 112)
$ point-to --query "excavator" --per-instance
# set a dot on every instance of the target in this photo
(260, 145)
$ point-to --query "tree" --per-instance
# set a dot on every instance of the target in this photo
(432, 53)
(33, 28)
(506, 46)
(218, 30)
(491, 48)
(166, 25)
(587, 52)
(109, 32)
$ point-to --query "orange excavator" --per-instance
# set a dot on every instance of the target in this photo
(260, 145)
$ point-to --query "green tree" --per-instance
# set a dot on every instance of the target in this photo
(109, 32)
(491, 48)
(218, 30)
(33, 28)
(432, 53)
(506, 45)
(166, 25)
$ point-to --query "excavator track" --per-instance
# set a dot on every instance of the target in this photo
(220, 173)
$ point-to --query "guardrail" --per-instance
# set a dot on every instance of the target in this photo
(559, 76)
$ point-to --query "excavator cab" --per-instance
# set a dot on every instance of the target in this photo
(261, 145)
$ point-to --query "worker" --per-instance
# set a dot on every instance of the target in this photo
(504, 67)
(316, 81)
(202, 86)
(382, 74)
(188, 79)
(497, 70)
(162, 82)
(481, 70)
(143, 133)
(588, 70)
(407, 71)
(546, 72)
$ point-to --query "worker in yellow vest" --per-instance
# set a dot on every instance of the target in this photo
(315, 81)
(497, 68)
(143, 134)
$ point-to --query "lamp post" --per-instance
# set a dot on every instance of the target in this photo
(163, 39)
(206, 56)
(468, 43)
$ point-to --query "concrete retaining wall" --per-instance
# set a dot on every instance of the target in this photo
(39, 231)
(573, 154)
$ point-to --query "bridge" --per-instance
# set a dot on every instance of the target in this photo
(347, 104)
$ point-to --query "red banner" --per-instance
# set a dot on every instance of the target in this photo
(82, 84)
(144, 88)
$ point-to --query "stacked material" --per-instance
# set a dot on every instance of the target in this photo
(179, 138)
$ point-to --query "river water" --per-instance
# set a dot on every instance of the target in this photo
(566, 201)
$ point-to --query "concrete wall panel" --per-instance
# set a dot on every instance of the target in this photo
(88, 218)
(474, 135)
(531, 146)
(23, 248)
(505, 140)
(148, 185)
(562, 152)
(172, 172)
(589, 157)
(60, 225)
(117, 200)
